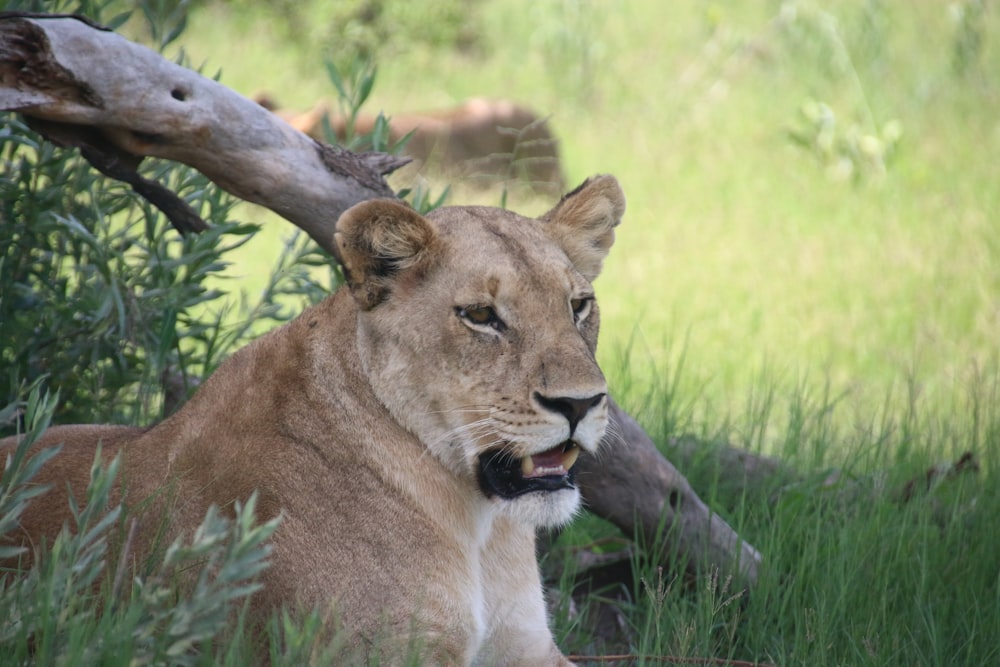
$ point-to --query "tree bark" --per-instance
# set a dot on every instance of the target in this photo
(119, 102)
(633, 485)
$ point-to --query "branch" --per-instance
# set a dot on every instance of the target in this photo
(66, 76)
(632, 485)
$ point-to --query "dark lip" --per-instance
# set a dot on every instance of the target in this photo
(500, 475)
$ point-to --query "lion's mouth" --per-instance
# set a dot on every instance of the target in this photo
(503, 475)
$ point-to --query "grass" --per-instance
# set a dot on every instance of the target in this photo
(859, 571)
(773, 285)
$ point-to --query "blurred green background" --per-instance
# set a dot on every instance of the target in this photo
(813, 187)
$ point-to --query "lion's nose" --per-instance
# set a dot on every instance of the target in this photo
(573, 409)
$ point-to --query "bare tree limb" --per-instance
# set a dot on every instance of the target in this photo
(632, 485)
(120, 101)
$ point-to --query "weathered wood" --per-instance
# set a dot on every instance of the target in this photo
(632, 485)
(120, 101)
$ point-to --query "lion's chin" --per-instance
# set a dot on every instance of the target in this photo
(542, 509)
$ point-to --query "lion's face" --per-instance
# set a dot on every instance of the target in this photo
(478, 331)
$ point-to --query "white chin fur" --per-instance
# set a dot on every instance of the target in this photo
(543, 509)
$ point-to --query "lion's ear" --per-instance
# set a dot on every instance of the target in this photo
(375, 240)
(583, 222)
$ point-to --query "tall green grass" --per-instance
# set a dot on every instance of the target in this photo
(869, 558)
(868, 561)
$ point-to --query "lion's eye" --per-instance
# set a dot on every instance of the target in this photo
(580, 307)
(482, 316)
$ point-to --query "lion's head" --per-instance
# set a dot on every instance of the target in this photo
(478, 329)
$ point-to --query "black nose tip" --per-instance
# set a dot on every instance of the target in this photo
(573, 409)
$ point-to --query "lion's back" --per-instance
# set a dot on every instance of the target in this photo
(67, 472)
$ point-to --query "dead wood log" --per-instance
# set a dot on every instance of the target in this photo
(119, 102)
(632, 485)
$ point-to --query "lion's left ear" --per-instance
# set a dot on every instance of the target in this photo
(376, 240)
(583, 222)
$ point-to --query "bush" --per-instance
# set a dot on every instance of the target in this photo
(98, 296)
(65, 611)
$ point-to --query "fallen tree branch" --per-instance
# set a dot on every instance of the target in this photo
(67, 76)
(632, 485)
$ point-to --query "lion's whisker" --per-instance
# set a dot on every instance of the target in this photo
(472, 430)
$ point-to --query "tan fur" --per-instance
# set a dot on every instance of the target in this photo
(361, 423)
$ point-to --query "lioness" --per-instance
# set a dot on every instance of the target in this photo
(413, 430)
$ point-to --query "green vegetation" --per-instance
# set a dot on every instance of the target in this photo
(810, 267)
(67, 611)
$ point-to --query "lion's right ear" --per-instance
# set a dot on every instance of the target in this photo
(584, 221)
(375, 240)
